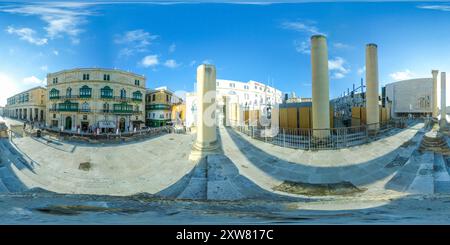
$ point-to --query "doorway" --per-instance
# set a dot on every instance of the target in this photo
(68, 125)
(122, 125)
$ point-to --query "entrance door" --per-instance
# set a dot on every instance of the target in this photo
(122, 125)
(84, 126)
(68, 125)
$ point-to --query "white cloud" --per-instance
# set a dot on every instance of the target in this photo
(44, 68)
(402, 75)
(445, 8)
(207, 61)
(171, 63)
(302, 47)
(55, 52)
(301, 27)
(27, 34)
(337, 66)
(361, 70)
(34, 81)
(150, 60)
(341, 45)
(135, 41)
(192, 64)
(9, 88)
(172, 48)
(60, 18)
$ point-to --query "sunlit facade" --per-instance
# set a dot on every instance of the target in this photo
(95, 100)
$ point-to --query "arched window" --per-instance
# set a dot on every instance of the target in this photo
(123, 94)
(69, 92)
(85, 92)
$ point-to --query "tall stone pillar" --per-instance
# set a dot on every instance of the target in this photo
(320, 86)
(372, 106)
(443, 122)
(206, 142)
(435, 85)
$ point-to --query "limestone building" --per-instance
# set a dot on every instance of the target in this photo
(413, 96)
(250, 96)
(28, 105)
(159, 102)
(92, 99)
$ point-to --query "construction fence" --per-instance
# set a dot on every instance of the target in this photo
(322, 139)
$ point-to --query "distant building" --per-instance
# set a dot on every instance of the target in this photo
(28, 105)
(159, 102)
(91, 99)
(250, 95)
(1, 110)
(413, 96)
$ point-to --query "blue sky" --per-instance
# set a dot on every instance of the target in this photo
(258, 41)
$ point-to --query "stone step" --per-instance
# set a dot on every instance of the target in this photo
(11, 181)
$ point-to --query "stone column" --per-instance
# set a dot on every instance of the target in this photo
(320, 86)
(206, 142)
(372, 107)
(435, 85)
(443, 122)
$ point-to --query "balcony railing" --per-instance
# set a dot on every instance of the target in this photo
(96, 111)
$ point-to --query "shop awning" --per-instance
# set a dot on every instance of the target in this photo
(106, 124)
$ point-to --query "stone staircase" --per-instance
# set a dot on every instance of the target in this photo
(435, 142)
(427, 171)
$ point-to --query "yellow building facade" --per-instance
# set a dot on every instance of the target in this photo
(95, 100)
(159, 103)
(29, 105)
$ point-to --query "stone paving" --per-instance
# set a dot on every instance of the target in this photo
(269, 165)
(248, 168)
(147, 166)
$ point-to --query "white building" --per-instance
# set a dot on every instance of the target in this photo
(413, 96)
(252, 95)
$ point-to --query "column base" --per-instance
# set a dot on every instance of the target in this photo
(443, 123)
(200, 151)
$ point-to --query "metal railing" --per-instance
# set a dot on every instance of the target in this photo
(321, 139)
(107, 137)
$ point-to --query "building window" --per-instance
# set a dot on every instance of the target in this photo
(55, 80)
(123, 94)
(167, 98)
(106, 77)
(106, 107)
(153, 97)
(69, 92)
(86, 76)
(85, 92)
(106, 92)
(68, 106)
(123, 107)
(153, 115)
(137, 82)
(85, 107)
(54, 94)
(54, 115)
(137, 96)
(85, 117)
